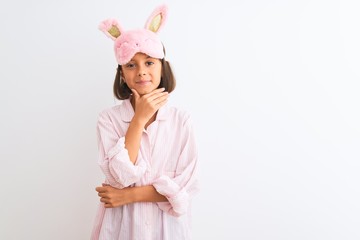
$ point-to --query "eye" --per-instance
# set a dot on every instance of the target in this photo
(130, 65)
(149, 63)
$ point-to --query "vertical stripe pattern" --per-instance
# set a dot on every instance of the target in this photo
(167, 160)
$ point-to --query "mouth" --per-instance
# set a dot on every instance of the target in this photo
(143, 82)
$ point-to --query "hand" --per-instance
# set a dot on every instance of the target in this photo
(114, 197)
(147, 105)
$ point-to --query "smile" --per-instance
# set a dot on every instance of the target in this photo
(144, 82)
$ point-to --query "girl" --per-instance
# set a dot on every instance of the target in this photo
(147, 150)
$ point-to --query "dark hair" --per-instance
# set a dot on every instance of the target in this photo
(167, 81)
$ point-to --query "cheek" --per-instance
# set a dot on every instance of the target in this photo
(159, 73)
(158, 77)
(127, 75)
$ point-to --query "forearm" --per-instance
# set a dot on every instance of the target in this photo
(147, 194)
(133, 138)
(114, 197)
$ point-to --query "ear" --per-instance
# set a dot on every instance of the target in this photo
(111, 28)
(157, 19)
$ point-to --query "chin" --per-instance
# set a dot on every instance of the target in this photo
(145, 91)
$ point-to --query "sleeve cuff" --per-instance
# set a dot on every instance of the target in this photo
(178, 198)
(119, 165)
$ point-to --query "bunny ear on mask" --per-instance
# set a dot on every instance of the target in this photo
(157, 19)
(144, 40)
(111, 28)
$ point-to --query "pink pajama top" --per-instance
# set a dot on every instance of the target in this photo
(167, 160)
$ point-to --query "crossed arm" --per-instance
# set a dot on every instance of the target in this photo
(146, 107)
(114, 197)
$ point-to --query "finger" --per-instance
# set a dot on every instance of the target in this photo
(161, 96)
(102, 194)
(156, 106)
(160, 99)
(135, 93)
(157, 95)
(104, 200)
(100, 189)
(108, 205)
(158, 90)
(160, 104)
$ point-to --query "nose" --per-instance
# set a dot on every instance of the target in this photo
(142, 72)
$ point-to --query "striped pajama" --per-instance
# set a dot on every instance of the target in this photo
(167, 160)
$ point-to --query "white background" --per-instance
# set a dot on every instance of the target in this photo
(273, 88)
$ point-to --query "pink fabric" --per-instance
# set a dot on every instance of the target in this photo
(141, 40)
(107, 24)
(167, 160)
(163, 10)
(132, 42)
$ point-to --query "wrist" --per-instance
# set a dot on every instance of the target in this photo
(138, 122)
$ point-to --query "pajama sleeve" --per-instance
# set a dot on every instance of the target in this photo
(180, 189)
(114, 159)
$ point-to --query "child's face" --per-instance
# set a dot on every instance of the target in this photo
(142, 73)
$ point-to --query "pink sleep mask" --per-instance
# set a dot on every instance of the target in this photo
(145, 40)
